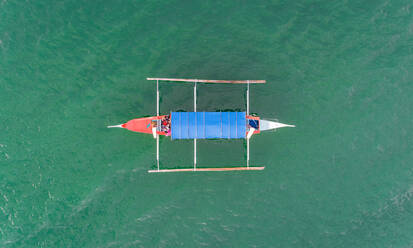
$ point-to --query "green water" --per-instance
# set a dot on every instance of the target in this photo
(341, 71)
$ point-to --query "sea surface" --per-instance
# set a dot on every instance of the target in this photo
(341, 71)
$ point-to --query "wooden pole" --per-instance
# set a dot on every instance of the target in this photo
(248, 98)
(157, 123)
(248, 112)
(210, 169)
(248, 153)
(209, 81)
(157, 98)
(157, 150)
(195, 127)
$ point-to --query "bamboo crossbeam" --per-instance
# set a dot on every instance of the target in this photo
(210, 81)
(209, 169)
(248, 113)
(248, 153)
(195, 139)
(157, 115)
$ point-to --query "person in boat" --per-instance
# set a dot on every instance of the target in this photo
(166, 124)
(153, 124)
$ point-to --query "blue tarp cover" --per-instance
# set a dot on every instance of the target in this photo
(208, 125)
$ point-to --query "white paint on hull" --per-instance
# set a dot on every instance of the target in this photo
(269, 125)
(120, 126)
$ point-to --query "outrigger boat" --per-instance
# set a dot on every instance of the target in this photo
(202, 125)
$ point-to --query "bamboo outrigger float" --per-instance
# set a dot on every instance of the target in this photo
(202, 125)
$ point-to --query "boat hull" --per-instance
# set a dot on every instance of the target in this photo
(143, 125)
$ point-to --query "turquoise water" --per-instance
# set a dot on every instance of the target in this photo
(341, 71)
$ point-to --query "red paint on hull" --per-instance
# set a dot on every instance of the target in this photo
(142, 125)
